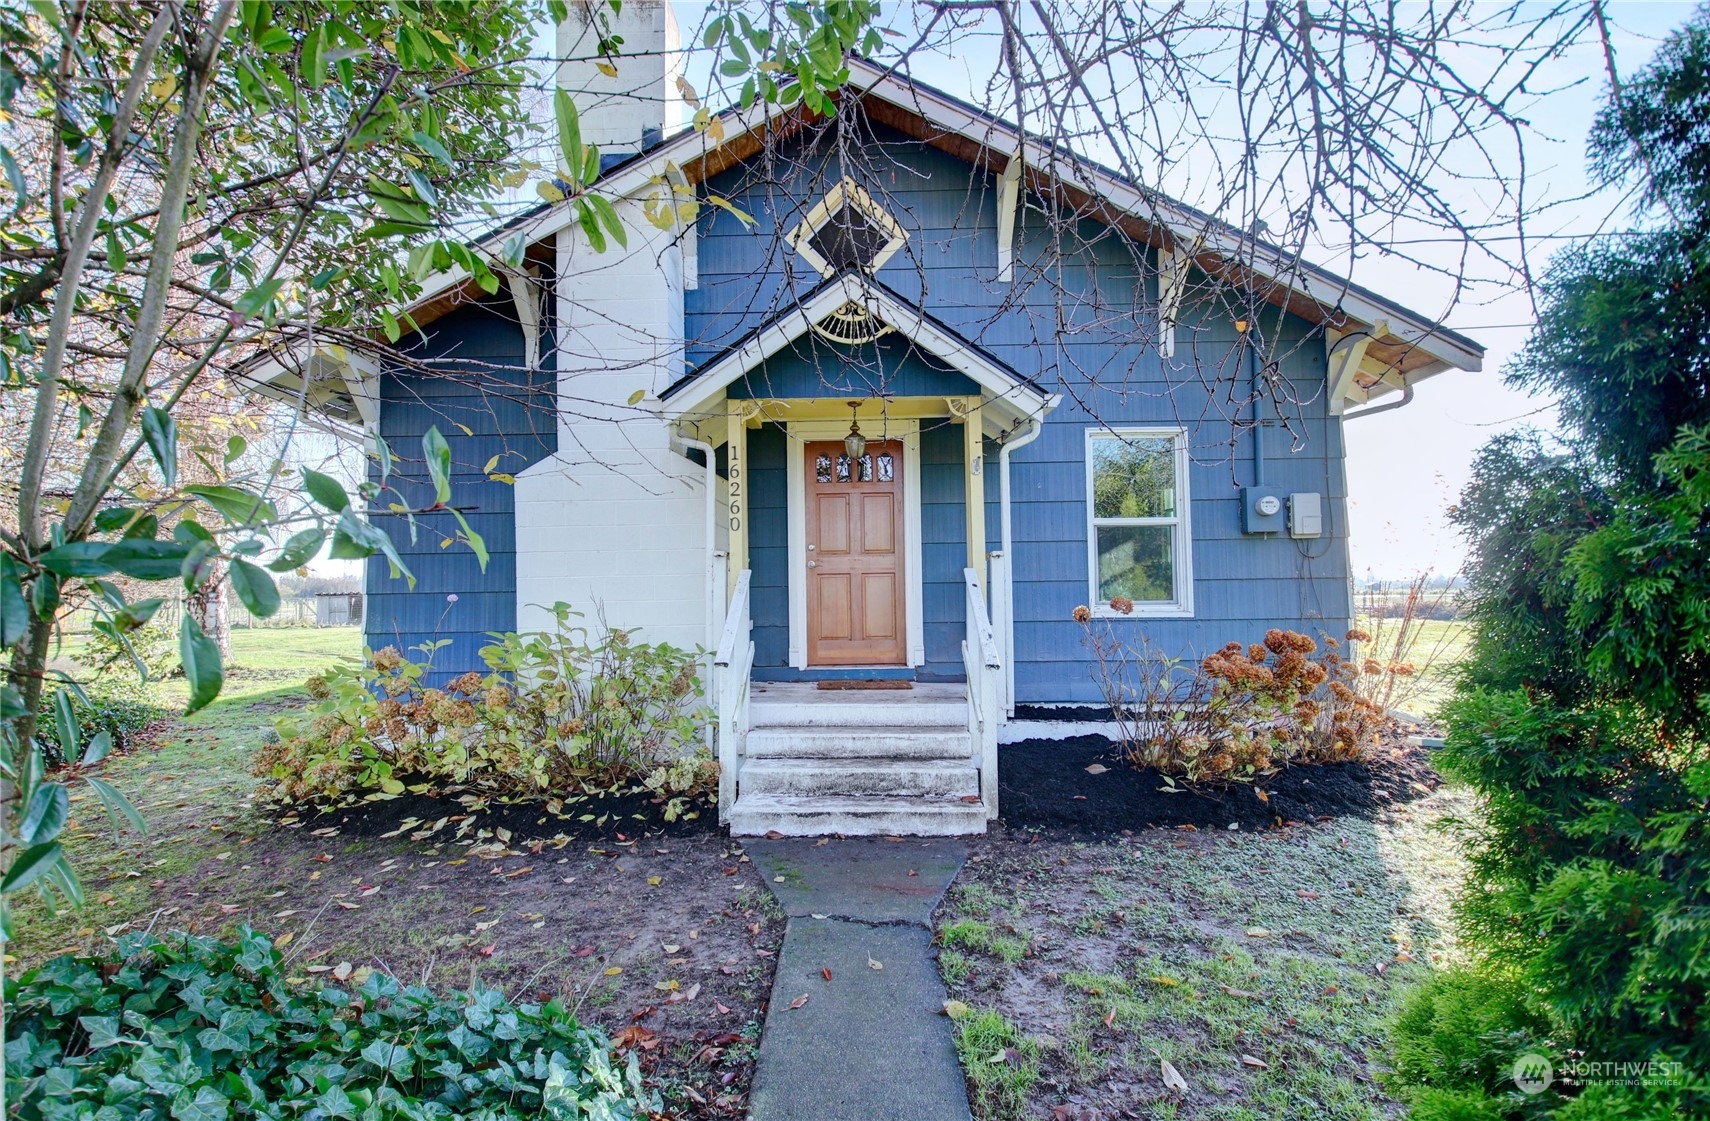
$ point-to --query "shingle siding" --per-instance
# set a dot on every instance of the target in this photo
(477, 384)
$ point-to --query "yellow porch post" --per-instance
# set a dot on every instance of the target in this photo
(974, 467)
(736, 435)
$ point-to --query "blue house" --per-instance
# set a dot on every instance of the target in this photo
(881, 397)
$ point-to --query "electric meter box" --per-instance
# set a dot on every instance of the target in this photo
(1262, 510)
(1306, 515)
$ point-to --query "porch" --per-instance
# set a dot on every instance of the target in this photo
(801, 760)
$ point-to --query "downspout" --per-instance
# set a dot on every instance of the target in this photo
(706, 450)
(1406, 398)
(1033, 431)
(1258, 409)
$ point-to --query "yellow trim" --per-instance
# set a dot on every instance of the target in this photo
(737, 472)
(974, 491)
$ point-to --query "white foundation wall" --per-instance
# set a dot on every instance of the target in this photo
(615, 523)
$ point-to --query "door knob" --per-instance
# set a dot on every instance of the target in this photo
(813, 564)
(810, 548)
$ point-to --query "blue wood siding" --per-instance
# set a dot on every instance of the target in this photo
(486, 405)
(813, 368)
(943, 547)
(1078, 320)
(769, 544)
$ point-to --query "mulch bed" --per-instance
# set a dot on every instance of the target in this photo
(1045, 784)
(611, 816)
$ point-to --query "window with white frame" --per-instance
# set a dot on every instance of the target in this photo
(1137, 520)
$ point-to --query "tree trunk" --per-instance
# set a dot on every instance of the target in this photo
(208, 605)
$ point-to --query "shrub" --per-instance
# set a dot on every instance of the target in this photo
(1462, 1030)
(187, 1027)
(117, 704)
(153, 647)
(559, 711)
(1243, 711)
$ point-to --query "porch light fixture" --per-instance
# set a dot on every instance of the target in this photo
(854, 443)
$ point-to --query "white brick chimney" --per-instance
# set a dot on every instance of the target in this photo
(626, 113)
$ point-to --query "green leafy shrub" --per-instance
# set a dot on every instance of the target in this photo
(1434, 1104)
(116, 704)
(193, 1029)
(1462, 1030)
(153, 647)
(559, 711)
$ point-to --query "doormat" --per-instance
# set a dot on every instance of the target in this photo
(871, 683)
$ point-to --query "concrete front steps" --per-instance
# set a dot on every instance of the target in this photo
(858, 762)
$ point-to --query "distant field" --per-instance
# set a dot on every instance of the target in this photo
(263, 659)
(1435, 648)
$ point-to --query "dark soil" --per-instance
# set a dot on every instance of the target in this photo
(617, 815)
(1044, 784)
(667, 943)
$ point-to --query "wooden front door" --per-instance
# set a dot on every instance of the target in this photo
(854, 555)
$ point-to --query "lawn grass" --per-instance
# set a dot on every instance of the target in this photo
(191, 784)
(1262, 967)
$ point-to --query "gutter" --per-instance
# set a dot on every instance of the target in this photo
(1405, 399)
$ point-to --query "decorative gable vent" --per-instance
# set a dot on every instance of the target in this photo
(851, 323)
(847, 230)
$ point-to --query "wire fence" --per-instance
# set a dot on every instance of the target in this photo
(292, 613)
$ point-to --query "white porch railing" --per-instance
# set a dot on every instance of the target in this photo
(1003, 600)
(733, 665)
(985, 689)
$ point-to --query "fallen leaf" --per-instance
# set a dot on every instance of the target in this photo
(1243, 993)
(1309, 895)
(955, 1009)
(799, 1002)
(655, 881)
(1097, 769)
(669, 948)
(284, 939)
(613, 971)
(1160, 979)
(341, 971)
(1172, 1077)
(636, 1036)
(1258, 932)
(1110, 1018)
(1250, 1061)
(487, 951)
(722, 1010)
(774, 835)
(347, 906)
(825, 971)
(777, 879)
(871, 964)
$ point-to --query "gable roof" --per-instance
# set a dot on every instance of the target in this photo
(1003, 387)
(1397, 346)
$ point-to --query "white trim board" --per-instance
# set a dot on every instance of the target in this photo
(796, 434)
(1181, 545)
(999, 384)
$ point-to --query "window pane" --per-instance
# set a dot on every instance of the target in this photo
(1134, 477)
(1136, 561)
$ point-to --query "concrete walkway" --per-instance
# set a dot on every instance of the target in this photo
(869, 1044)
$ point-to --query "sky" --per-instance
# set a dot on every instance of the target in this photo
(1406, 466)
